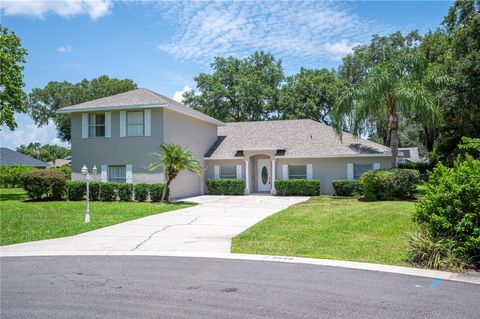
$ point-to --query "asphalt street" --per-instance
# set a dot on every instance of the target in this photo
(178, 287)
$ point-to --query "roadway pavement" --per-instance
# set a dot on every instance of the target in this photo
(181, 287)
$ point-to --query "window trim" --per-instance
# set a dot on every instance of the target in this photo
(121, 179)
(224, 176)
(95, 125)
(290, 176)
(132, 124)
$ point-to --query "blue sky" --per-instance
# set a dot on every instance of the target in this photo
(163, 45)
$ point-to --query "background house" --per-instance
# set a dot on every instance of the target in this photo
(12, 158)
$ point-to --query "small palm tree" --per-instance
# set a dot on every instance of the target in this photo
(403, 87)
(174, 159)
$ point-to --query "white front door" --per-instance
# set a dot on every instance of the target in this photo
(263, 175)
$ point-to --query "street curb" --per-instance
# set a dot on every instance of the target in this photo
(471, 278)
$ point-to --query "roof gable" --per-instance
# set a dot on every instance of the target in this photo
(11, 158)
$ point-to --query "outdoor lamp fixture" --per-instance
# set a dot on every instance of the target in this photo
(87, 177)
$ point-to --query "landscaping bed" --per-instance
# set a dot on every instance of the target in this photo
(23, 221)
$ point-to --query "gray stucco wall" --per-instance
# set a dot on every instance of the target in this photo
(117, 150)
(198, 136)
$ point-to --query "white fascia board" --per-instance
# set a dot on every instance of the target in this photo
(336, 156)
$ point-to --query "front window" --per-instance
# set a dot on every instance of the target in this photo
(96, 125)
(228, 172)
(297, 171)
(359, 169)
(117, 173)
(135, 124)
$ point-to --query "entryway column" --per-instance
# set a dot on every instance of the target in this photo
(273, 191)
(247, 178)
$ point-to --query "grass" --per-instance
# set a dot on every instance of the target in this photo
(22, 221)
(334, 227)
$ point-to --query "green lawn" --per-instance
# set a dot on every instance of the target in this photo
(22, 221)
(334, 228)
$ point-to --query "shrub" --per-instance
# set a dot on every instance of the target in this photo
(345, 187)
(125, 192)
(219, 186)
(10, 175)
(450, 208)
(65, 170)
(298, 187)
(422, 168)
(43, 183)
(95, 190)
(156, 192)
(108, 192)
(387, 184)
(141, 192)
(76, 190)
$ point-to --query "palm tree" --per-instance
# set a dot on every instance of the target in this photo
(174, 159)
(400, 87)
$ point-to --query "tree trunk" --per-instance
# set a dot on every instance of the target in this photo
(394, 147)
(164, 191)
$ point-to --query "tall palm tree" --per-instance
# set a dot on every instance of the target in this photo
(402, 87)
(173, 159)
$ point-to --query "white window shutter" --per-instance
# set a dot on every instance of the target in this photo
(239, 171)
(309, 171)
(376, 165)
(123, 123)
(108, 124)
(350, 171)
(84, 125)
(103, 173)
(284, 171)
(129, 174)
(216, 171)
(148, 122)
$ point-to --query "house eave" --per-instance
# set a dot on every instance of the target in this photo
(308, 156)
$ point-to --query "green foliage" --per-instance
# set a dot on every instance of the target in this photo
(76, 190)
(450, 209)
(218, 186)
(470, 146)
(12, 58)
(95, 190)
(45, 153)
(65, 170)
(156, 192)
(297, 187)
(10, 175)
(174, 158)
(43, 183)
(387, 184)
(422, 168)
(125, 192)
(345, 187)
(108, 192)
(43, 103)
(141, 192)
(239, 89)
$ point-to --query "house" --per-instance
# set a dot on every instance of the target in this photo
(117, 134)
(408, 155)
(12, 158)
(61, 162)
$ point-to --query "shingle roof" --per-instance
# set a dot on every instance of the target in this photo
(299, 138)
(10, 158)
(136, 98)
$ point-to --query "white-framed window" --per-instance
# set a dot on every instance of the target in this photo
(96, 125)
(228, 171)
(359, 169)
(117, 173)
(297, 171)
(135, 123)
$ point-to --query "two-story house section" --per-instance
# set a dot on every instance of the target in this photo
(117, 134)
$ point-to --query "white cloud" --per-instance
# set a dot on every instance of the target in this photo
(40, 8)
(306, 30)
(65, 48)
(339, 49)
(178, 95)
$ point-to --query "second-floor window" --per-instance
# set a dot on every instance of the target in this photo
(135, 123)
(96, 125)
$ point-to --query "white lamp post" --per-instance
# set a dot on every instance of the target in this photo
(87, 177)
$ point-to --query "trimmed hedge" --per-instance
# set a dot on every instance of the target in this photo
(298, 187)
(219, 186)
(43, 183)
(345, 187)
(156, 192)
(141, 192)
(10, 175)
(94, 190)
(76, 190)
(108, 192)
(125, 192)
(388, 184)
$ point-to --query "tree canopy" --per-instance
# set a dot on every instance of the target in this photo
(45, 153)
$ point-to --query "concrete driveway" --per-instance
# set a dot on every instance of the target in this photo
(205, 228)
